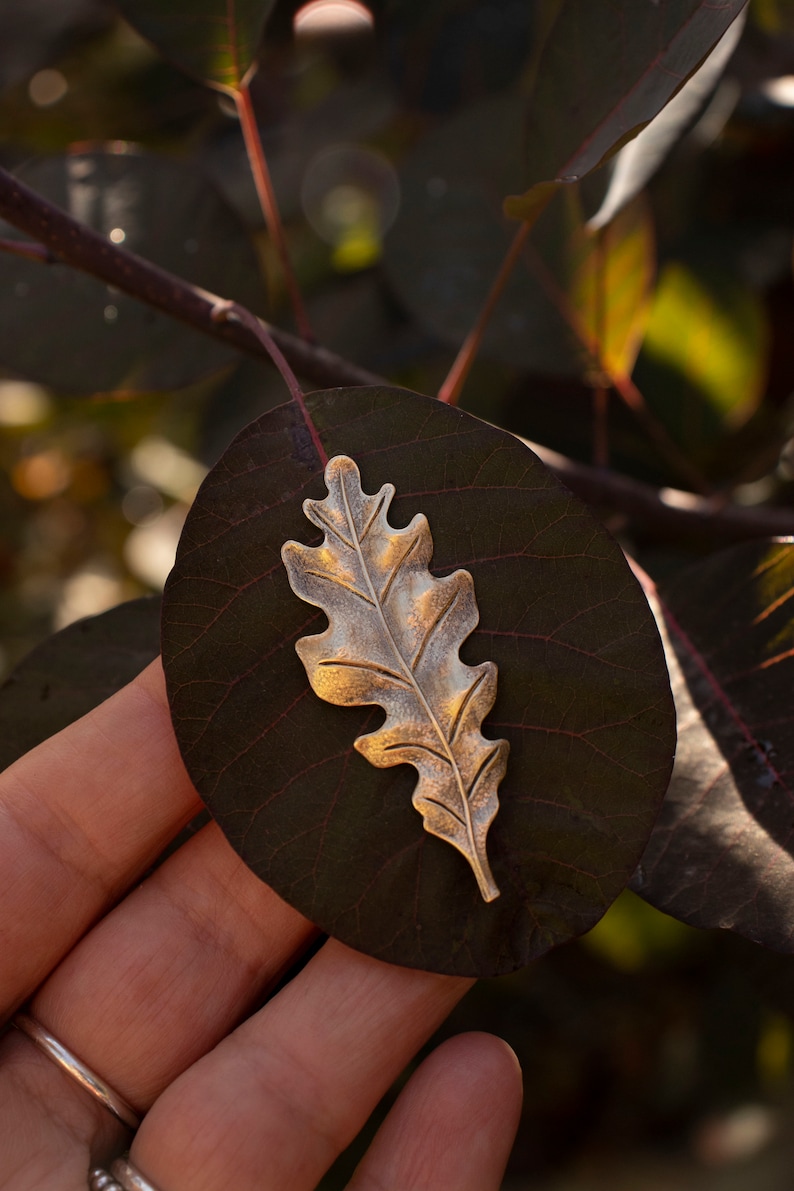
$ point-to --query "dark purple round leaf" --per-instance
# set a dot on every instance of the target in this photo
(722, 852)
(74, 671)
(450, 238)
(213, 40)
(583, 696)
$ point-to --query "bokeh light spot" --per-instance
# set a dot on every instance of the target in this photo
(47, 87)
(41, 475)
(321, 18)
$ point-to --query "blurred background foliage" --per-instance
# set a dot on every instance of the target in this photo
(655, 1056)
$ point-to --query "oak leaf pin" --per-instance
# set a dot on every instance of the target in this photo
(393, 638)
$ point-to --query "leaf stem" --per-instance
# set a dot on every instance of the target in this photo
(267, 201)
(225, 311)
(456, 378)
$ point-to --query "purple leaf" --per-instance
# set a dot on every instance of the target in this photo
(583, 696)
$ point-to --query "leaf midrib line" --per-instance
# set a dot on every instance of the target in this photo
(419, 693)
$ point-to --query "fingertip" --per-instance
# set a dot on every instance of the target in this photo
(488, 1068)
(453, 1125)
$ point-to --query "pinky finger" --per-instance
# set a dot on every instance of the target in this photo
(452, 1126)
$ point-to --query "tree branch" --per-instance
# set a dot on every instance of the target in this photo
(75, 244)
(667, 510)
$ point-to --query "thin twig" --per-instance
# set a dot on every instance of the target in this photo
(456, 378)
(77, 245)
(226, 311)
(267, 201)
(233, 311)
(71, 242)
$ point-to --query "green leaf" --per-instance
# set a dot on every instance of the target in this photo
(703, 364)
(722, 852)
(214, 40)
(73, 671)
(582, 697)
(568, 291)
(602, 73)
(95, 339)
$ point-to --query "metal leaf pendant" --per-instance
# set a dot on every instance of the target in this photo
(393, 638)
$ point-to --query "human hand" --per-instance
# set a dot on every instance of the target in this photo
(158, 992)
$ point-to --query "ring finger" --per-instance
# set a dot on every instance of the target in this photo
(155, 985)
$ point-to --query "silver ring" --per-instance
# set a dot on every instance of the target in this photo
(102, 1180)
(129, 1177)
(69, 1063)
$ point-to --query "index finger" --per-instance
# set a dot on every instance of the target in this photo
(81, 817)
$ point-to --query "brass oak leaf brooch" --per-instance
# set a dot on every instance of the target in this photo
(393, 636)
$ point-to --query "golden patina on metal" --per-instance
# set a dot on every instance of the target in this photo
(393, 638)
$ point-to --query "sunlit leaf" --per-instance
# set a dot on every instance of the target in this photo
(214, 40)
(603, 72)
(722, 852)
(610, 273)
(582, 699)
(703, 363)
(98, 339)
(637, 162)
(73, 671)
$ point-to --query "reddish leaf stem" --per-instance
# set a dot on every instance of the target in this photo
(451, 388)
(225, 311)
(267, 201)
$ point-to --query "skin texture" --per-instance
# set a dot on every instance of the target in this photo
(158, 987)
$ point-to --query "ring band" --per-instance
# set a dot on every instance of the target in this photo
(102, 1180)
(129, 1177)
(69, 1063)
(122, 1176)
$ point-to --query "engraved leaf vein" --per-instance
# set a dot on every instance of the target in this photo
(405, 653)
